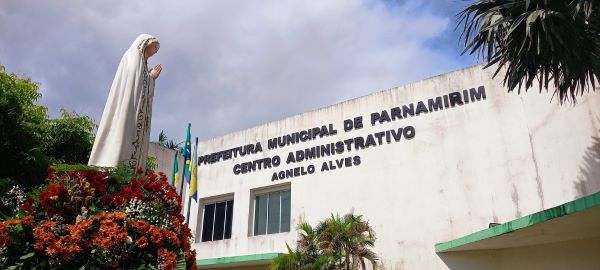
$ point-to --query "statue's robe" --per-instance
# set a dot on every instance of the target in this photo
(124, 131)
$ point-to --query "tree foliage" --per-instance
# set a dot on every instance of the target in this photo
(553, 42)
(30, 141)
(164, 141)
(335, 243)
(69, 139)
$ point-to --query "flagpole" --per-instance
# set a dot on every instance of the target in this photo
(175, 170)
(187, 219)
(182, 179)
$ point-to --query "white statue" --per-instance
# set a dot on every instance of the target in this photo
(124, 130)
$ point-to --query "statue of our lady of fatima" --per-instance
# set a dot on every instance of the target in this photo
(124, 130)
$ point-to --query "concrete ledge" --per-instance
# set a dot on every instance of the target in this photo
(244, 260)
(527, 235)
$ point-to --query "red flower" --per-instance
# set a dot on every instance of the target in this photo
(168, 257)
(54, 200)
(162, 176)
(27, 205)
(106, 199)
(142, 242)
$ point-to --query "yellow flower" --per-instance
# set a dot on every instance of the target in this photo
(87, 184)
(54, 198)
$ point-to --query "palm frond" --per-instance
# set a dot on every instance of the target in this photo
(548, 43)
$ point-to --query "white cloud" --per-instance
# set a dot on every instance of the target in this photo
(228, 65)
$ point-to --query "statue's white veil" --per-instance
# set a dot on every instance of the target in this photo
(124, 131)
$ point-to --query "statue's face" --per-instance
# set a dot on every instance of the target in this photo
(151, 50)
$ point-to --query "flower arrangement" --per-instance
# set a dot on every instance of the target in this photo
(97, 219)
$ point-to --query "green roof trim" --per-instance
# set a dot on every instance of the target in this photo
(237, 259)
(568, 208)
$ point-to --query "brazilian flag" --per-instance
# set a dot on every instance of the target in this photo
(175, 174)
(187, 156)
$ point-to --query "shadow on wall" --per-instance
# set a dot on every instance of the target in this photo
(589, 178)
(551, 256)
(467, 260)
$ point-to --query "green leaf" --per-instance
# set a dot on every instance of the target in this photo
(180, 261)
(27, 256)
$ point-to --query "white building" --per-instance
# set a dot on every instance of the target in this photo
(426, 164)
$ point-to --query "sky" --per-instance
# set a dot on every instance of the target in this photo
(229, 65)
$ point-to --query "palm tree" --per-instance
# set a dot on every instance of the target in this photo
(554, 42)
(162, 138)
(170, 144)
(289, 261)
(173, 145)
(306, 256)
(347, 240)
(335, 243)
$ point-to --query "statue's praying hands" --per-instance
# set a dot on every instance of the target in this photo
(155, 71)
(149, 51)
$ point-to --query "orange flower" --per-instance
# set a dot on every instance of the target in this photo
(27, 220)
(111, 215)
(140, 225)
(156, 234)
(5, 240)
(64, 247)
(77, 231)
(80, 227)
(110, 234)
(43, 234)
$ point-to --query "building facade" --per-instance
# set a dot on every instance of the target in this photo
(424, 163)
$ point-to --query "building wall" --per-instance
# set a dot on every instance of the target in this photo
(493, 160)
(164, 160)
(579, 254)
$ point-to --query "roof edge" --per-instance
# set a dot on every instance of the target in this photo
(568, 208)
(237, 259)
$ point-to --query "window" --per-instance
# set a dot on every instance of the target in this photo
(272, 212)
(217, 221)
